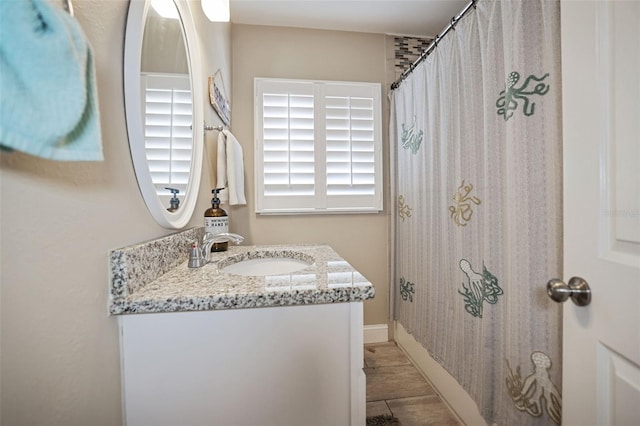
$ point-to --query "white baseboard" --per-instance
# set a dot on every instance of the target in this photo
(377, 333)
(442, 382)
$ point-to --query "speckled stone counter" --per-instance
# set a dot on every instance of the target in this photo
(141, 281)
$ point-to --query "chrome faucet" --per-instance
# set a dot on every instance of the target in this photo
(200, 257)
(208, 240)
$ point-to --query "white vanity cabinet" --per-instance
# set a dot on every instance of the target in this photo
(206, 347)
(291, 365)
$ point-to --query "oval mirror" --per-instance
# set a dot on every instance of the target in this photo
(163, 105)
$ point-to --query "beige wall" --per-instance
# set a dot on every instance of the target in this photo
(59, 348)
(258, 51)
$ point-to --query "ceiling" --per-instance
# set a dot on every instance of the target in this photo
(398, 17)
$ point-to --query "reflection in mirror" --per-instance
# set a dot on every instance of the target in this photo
(161, 55)
(166, 100)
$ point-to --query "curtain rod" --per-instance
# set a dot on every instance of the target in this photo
(434, 43)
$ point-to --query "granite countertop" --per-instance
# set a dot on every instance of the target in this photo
(330, 279)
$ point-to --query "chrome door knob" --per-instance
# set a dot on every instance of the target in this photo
(577, 289)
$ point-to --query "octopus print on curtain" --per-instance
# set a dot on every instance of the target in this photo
(476, 132)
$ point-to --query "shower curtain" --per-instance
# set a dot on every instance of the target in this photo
(476, 136)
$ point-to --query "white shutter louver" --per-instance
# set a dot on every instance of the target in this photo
(167, 130)
(288, 145)
(350, 146)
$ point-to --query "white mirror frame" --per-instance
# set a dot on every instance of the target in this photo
(136, 19)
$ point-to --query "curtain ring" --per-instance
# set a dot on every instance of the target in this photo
(453, 23)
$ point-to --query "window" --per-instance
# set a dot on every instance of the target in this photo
(318, 146)
(167, 130)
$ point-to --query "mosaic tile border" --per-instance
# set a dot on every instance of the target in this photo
(407, 50)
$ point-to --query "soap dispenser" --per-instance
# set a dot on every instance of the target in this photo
(216, 221)
(174, 201)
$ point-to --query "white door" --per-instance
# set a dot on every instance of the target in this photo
(601, 137)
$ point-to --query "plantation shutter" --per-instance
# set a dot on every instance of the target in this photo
(288, 144)
(167, 130)
(318, 146)
(351, 138)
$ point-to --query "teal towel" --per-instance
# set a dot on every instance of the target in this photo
(49, 104)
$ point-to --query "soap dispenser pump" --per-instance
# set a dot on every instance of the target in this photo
(174, 201)
(216, 221)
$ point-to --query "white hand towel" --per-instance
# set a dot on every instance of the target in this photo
(230, 169)
(221, 180)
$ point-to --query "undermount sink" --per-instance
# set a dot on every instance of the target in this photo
(258, 263)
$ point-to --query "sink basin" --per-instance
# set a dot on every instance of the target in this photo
(260, 263)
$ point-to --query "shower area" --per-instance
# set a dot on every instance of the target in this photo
(476, 150)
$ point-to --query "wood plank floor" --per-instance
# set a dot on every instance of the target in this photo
(395, 386)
